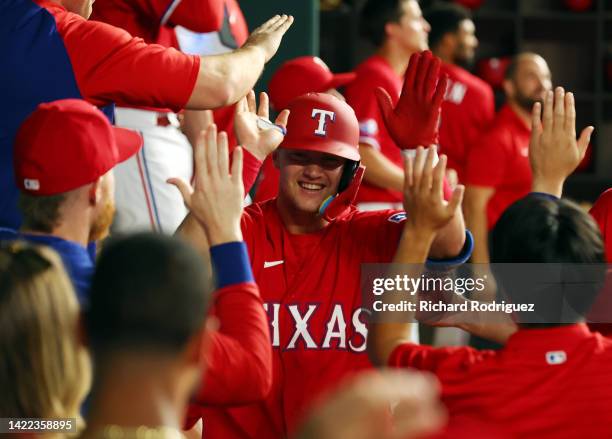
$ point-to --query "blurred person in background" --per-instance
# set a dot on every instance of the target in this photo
(497, 171)
(398, 29)
(197, 27)
(45, 371)
(305, 74)
(469, 106)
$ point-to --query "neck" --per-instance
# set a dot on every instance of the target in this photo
(297, 222)
(75, 232)
(134, 391)
(395, 56)
(444, 56)
(521, 113)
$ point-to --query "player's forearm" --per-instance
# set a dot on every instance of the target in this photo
(476, 220)
(224, 79)
(384, 336)
(380, 171)
(550, 186)
(450, 239)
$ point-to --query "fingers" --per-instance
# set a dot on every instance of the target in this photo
(268, 24)
(408, 172)
(251, 104)
(536, 126)
(237, 166)
(411, 73)
(385, 104)
(241, 105)
(183, 188)
(440, 90)
(421, 75)
(223, 154)
(439, 172)
(583, 141)
(433, 71)
(264, 104)
(283, 118)
(427, 176)
(547, 120)
(283, 24)
(417, 170)
(199, 154)
(211, 165)
(455, 200)
(559, 108)
(570, 114)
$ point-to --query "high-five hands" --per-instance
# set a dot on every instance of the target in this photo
(414, 120)
(247, 124)
(268, 36)
(217, 196)
(554, 152)
(423, 192)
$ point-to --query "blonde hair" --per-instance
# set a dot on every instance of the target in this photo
(45, 371)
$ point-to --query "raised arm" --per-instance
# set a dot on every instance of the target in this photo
(414, 121)
(224, 79)
(239, 364)
(423, 197)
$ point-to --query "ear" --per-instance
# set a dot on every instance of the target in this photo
(275, 159)
(449, 42)
(95, 192)
(390, 29)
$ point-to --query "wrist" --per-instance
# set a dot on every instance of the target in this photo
(223, 234)
(548, 186)
(256, 151)
(256, 51)
(420, 238)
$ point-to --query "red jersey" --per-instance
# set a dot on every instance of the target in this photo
(112, 66)
(500, 160)
(467, 111)
(545, 383)
(310, 285)
(375, 72)
(602, 212)
(144, 18)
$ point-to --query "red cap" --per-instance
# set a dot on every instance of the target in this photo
(66, 144)
(321, 122)
(303, 75)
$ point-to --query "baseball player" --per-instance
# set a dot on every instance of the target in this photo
(397, 29)
(50, 51)
(305, 74)
(551, 377)
(144, 200)
(306, 248)
(469, 106)
(497, 172)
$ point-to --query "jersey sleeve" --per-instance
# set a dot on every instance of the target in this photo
(360, 96)
(196, 15)
(239, 363)
(112, 66)
(486, 160)
(431, 359)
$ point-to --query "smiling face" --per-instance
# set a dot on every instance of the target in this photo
(307, 178)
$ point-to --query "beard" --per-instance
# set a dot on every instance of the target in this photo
(526, 102)
(101, 225)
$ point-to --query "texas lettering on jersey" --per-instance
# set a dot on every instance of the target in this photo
(332, 333)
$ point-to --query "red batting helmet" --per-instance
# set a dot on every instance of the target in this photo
(320, 122)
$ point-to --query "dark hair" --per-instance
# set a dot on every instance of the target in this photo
(445, 18)
(375, 15)
(40, 213)
(510, 72)
(562, 239)
(149, 293)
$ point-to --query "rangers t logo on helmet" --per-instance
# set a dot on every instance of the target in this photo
(323, 115)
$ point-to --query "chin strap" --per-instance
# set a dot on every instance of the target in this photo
(335, 205)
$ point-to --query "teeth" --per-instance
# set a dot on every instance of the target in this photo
(311, 186)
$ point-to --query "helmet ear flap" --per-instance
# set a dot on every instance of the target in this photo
(337, 205)
(350, 167)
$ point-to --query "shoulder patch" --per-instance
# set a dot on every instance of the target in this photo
(397, 217)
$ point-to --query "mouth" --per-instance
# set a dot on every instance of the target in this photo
(311, 187)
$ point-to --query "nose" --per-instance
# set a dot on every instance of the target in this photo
(426, 26)
(312, 171)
